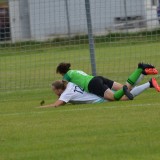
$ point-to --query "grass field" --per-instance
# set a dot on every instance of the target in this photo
(108, 131)
(33, 66)
(117, 130)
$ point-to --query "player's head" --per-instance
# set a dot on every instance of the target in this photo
(58, 87)
(63, 68)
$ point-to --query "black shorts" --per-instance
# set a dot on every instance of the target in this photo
(98, 85)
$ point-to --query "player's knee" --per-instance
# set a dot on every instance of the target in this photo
(116, 86)
(109, 95)
(129, 86)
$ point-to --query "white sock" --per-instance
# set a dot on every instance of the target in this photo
(139, 89)
(139, 79)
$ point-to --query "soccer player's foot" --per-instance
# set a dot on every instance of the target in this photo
(150, 71)
(127, 92)
(154, 84)
(145, 65)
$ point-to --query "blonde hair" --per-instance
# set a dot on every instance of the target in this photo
(59, 84)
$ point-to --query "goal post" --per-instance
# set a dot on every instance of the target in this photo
(90, 37)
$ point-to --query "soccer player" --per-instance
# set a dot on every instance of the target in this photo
(104, 87)
(70, 93)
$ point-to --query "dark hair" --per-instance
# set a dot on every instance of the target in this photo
(63, 68)
(59, 84)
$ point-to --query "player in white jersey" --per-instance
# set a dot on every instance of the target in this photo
(76, 95)
(71, 93)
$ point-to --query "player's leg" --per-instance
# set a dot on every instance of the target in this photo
(102, 87)
(141, 88)
(97, 86)
(109, 95)
(117, 86)
(146, 71)
(137, 75)
(111, 84)
(108, 86)
(137, 90)
(154, 84)
(133, 78)
(124, 91)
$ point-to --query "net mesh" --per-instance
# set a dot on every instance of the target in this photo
(36, 35)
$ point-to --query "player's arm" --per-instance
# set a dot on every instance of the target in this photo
(58, 103)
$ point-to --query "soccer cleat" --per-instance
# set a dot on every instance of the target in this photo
(154, 84)
(127, 92)
(150, 71)
(144, 65)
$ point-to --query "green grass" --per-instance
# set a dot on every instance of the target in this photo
(27, 67)
(117, 130)
(113, 131)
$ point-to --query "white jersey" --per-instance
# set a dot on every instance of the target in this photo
(74, 94)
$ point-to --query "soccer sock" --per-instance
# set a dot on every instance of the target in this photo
(134, 76)
(118, 94)
(139, 89)
(139, 79)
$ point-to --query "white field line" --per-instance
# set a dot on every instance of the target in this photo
(76, 109)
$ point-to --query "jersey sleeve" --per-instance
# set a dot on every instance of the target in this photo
(66, 96)
(66, 77)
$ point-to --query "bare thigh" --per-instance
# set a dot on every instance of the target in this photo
(117, 86)
(109, 95)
